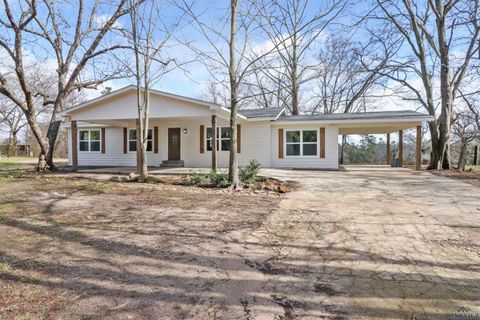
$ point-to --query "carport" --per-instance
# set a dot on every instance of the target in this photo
(386, 123)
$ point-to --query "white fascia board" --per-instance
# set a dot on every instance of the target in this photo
(350, 121)
(67, 125)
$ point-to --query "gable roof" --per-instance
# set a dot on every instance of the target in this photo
(407, 115)
(133, 88)
(264, 113)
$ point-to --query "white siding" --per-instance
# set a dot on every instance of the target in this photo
(331, 149)
(254, 145)
(123, 107)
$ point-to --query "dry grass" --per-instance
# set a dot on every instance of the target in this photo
(80, 248)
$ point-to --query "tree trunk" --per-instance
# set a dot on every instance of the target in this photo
(52, 134)
(37, 133)
(436, 157)
(12, 148)
(444, 125)
(232, 71)
(462, 158)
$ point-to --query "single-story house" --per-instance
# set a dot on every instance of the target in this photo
(101, 132)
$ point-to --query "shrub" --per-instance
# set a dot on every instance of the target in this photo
(195, 179)
(219, 179)
(248, 174)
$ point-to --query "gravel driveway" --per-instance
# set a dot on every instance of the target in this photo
(381, 243)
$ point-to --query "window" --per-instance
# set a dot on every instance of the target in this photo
(301, 142)
(89, 140)
(223, 138)
(132, 140)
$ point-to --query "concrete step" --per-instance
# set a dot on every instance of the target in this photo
(172, 164)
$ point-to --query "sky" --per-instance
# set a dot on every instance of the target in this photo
(193, 77)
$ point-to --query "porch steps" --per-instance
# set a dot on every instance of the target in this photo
(172, 164)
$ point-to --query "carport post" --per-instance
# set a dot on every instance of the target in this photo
(418, 149)
(214, 143)
(388, 149)
(400, 148)
(475, 156)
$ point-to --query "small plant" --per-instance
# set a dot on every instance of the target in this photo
(219, 179)
(248, 174)
(194, 179)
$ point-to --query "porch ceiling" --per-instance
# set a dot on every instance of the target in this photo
(376, 128)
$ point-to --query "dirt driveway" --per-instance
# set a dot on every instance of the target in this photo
(366, 243)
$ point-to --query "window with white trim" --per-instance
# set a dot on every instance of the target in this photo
(89, 140)
(132, 140)
(301, 142)
(223, 138)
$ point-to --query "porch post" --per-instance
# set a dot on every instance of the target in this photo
(138, 142)
(214, 143)
(400, 148)
(388, 149)
(74, 132)
(475, 156)
(418, 149)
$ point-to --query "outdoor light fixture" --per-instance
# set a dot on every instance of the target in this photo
(185, 131)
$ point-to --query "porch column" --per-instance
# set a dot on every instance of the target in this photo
(475, 156)
(214, 143)
(74, 132)
(388, 149)
(400, 148)
(418, 149)
(139, 143)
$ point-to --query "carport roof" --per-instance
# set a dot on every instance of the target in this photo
(382, 115)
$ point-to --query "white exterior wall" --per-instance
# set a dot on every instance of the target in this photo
(254, 145)
(331, 149)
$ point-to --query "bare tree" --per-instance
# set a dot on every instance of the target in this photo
(292, 29)
(434, 32)
(466, 126)
(466, 130)
(39, 26)
(12, 118)
(230, 67)
(346, 73)
(150, 66)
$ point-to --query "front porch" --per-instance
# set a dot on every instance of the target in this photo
(171, 142)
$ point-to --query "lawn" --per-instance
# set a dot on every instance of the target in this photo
(75, 248)
(13, 163)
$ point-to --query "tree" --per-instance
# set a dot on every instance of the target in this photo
(147, 48)
(466, 130)
(466, 126)
(293, 30)
(346, 73)
(232, 68)
(13, 119)
(434, 32)
(39, 28)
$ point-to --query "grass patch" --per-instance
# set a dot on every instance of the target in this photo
(13, 163)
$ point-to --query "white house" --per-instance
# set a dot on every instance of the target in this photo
(101, 132)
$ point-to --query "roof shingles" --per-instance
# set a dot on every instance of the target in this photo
(261, 113)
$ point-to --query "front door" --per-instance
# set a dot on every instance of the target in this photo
(173, 144)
